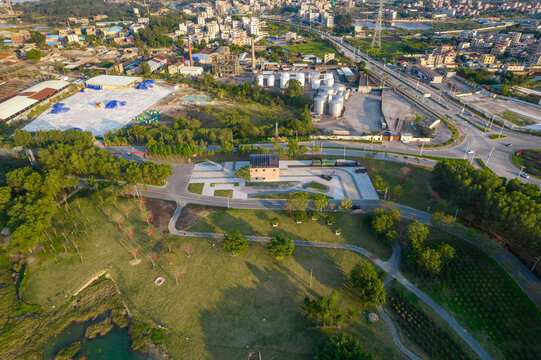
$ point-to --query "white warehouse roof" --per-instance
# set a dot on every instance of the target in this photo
(113, 80)
(53, 84)
(14, 105)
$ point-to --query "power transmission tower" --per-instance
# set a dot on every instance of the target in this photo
(376, 39)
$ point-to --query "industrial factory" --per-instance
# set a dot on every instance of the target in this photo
(329, 96)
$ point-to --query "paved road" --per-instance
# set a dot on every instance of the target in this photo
(391, 267)
(493, 152)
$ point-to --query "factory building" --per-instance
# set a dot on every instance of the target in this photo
(265, 167)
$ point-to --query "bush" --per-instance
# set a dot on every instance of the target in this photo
(280, 246)
(330, 220)
(234, 243)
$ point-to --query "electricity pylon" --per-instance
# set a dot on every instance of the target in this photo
(376, 39)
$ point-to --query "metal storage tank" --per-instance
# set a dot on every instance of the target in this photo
(260, 80)
(339, 87)
(347, 93)
(270, 80)
(300, 77)
(335, 108)
(315, 84)
(284, 78)
(338, 98)
(319, 105)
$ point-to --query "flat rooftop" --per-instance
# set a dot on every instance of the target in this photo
(113, 80)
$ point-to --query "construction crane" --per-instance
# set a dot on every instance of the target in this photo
(376, 39)
(10, 10)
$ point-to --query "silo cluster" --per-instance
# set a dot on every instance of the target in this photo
(330, 99)
(266, 78)
(285, 77)
(320, 79)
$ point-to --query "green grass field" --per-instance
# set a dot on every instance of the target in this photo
(355, 230)
(196, 188)
(485, 300)
(312, 47)
(317, 186)
(530, 159)
(516, 119)
(284, 195)
(217, 309)
(223, 193)
(413, 179)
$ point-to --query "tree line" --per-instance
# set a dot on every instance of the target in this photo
(507, 209)
(28, 201)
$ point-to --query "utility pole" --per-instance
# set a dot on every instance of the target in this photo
(501, 131)
(467, 149)
(422, 147)
(472, 157)
(376, 39)
(344, 152)
(536, 261)
(456, 213)
(310, 277)
(490, 155)
(520, 173)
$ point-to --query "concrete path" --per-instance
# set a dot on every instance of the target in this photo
(391, 267)
(394, 334)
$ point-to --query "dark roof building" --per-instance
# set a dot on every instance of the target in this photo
(264, 161)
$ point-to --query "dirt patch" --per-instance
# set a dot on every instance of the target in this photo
(161, 211)
(192, 213)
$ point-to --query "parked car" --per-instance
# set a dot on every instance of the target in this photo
(524, 175)
(360, 170)
(509, 145)
(326, 177)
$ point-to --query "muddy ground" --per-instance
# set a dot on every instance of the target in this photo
(161, 211)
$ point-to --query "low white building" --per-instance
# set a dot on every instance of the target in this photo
(190, 70)
(157, 62)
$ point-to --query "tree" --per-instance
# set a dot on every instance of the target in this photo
(345, 204)
(343, 347)
(299, 202)
(243, 172)
(33, 54)
(440, 218)
(320, 201)
(397, 191)
(179, 42)
(382, 221)
(37, 38)
(417, 234)
(234, 243)
(294, 88)
(323, 312)
(280, 246)
(390, 237)
(292, 147)
(145, 68)
(429, 261)
(365, 280)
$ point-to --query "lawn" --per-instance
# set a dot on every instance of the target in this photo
(530, 159)
(223, 193)
(516, 119)
(312, 47)
(223, 306)
(496, 137)
(485, 300)
(355, 229)
(317, 186)
(414, 180)
(284, 195)
(196, 188)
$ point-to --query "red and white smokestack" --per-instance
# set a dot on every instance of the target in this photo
(190, 51)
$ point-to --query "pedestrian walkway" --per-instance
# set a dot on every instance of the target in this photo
(391, 267)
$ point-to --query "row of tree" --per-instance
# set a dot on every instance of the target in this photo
(507, 209)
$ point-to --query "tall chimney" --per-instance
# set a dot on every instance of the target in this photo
(190, 51)
(253, 55)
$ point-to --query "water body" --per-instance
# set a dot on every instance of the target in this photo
(412, 25)
(371, 24)
(197, 98)
(113, 346)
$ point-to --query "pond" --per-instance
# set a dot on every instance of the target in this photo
(412, 25)
(113, 346)
(198, 98)
(370, 25)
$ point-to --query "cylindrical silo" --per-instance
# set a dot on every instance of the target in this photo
(339, 87)
(347, 93)
(270, 80)
(319, 105)
(284, 78)
(338, 98)
(300, 77)
(260, 80)
(335, 108)
(315, 84)
(313, 76)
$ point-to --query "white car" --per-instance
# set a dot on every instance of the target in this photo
(525, 176)
(470, 152)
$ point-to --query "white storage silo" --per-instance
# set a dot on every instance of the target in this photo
(319, 105)
(284, 78)
(260, 80)
(300, 77)
(339, 87)
(335, 108)
(315, 84)
(347, 93)
(270, 80)
(338, 98)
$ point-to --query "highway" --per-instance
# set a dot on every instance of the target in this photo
(475, 143)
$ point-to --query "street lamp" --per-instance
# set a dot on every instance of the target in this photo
(536, 261)
(521, 169)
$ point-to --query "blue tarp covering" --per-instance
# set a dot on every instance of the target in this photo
(114, 104)
(59, 108)
(143, 86)
(150, 81)
(94, 87)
